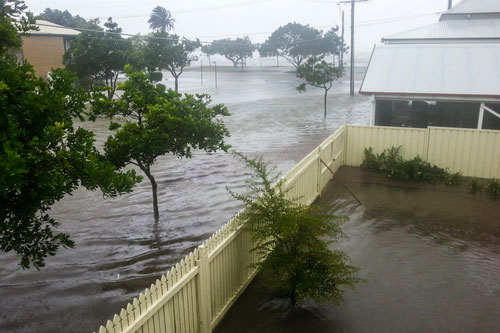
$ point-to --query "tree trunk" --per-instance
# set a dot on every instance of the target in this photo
(242, 63)
(235, 63)
(293, 293)
(326, 93)
(176, 83)
(278, 60)
(154, 188)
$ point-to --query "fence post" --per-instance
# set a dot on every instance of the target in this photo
(345, 144)
(204, 291)
(427, 144)
(319, 178)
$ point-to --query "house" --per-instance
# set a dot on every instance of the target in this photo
(44, 49)
(446, 74)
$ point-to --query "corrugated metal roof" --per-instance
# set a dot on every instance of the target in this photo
(49, 28)
(433, 69)
(475, 7)
(487, 28)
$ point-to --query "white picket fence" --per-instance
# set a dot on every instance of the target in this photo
(195, 294)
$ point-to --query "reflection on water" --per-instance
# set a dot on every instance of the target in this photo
(430, 255)
(119, 250)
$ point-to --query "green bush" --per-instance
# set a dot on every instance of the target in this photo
(493, 188)
(155, 76)
(454, 179)
(475, 186)
(294, 241)
(391, 163)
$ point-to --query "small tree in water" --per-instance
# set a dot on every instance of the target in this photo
(159, 123)
(293, 240)
(318, 73)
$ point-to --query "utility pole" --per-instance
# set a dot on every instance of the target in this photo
(450, 4)
(341, 55)
(352, 2)
(352, 47)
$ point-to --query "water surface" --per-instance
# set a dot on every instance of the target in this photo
(430, 255)
(120, 251)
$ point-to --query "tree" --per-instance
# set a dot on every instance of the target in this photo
(334, 45)
(66, 19)
(12, 22)
(236, 50)
(318, 73)
(266, 50)
(159, 123)
(161, 20)
(170, 52)
(209, 52)
(98, 58)
(43, 157)
(296, 43)
(135, 56)
(293, 240)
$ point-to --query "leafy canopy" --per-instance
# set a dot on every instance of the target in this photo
(65, 18)
(159, 122)
(161, 20)
(43, 157)
(296, 42)
(294, 240)
(318, 73)
(97, 58)
(236, 50)
(170, 52)
(13, 20)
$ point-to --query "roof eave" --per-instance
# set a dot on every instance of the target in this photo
(479, 96)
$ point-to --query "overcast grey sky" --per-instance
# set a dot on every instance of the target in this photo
(214, 19)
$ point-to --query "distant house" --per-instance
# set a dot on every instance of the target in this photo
(44, 49)
(446, 74)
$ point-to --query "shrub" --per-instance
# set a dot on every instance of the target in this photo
(293, 240)
(493, 188)
(391, 163)
(454, 179)
(475, 186)
(155, 76)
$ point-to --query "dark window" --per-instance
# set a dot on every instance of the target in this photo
(420, 114)
(67, 43)
(490, 121)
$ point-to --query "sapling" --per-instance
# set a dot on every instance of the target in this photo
(294, 241)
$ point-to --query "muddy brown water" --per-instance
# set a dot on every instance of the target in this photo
(120, 251)
(430, 255)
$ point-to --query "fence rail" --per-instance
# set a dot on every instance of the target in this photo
(197, 292)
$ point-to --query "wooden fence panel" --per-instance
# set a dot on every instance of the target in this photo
(413, 141)
(475, 153)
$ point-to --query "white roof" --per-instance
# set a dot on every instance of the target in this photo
(487, 28)
(453, 70)
(49, 28)
(475, 7)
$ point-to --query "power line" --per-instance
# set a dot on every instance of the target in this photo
(200, 9)
(361, 24)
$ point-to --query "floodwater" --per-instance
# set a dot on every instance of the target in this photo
(430, 255)
(119, 250)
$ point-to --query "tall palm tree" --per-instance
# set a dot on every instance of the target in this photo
(161, 19)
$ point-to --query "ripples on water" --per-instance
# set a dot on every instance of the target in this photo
(119, 251)
(430, 255)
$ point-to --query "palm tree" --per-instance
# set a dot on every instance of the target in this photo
(161, 19)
